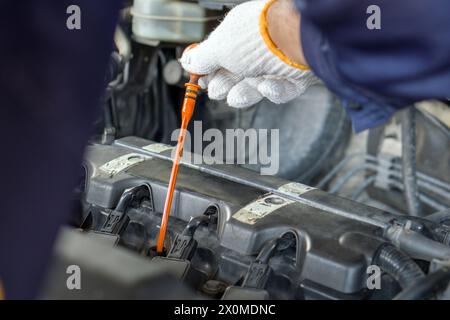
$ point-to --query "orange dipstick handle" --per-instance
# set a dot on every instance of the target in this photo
(192, 89)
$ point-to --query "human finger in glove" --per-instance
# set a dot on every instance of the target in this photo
(242, 62)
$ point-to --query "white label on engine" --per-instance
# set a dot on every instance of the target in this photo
(121, 163)
(157, 147)
(260, 208)
(295, 189)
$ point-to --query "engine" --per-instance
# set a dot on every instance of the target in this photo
(235, 234)
(345, 216)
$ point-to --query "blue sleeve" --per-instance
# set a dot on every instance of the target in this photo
(50, 82)
(380, 71)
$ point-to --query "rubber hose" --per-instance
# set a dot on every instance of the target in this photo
(398, 265)
(427, 286)
(441, 232)
(442, 235)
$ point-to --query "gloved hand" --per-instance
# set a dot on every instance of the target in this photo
(242, 62)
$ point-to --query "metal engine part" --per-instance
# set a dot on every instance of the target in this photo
(230, 228)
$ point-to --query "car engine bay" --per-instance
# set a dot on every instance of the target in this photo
(347, 216)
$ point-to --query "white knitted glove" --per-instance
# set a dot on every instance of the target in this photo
(242, 63)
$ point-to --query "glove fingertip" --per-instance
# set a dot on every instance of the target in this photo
(272, 90)
(243, 96)
(221, 83)
(199, 60)
(237, 102)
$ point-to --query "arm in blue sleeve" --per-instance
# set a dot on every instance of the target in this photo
(50, 85)
(384, 70)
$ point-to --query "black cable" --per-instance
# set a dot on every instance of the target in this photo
(377, 160)
(194, 223)
(267, 251)
(411, 190)
(108, 119)
(440, 216)
(329, 176)
(152, 91)
(366, 183)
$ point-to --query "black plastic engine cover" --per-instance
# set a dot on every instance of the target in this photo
(335, 237)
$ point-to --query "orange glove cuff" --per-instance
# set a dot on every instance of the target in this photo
(264, 30)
